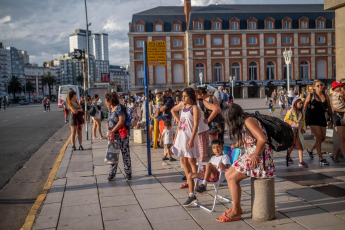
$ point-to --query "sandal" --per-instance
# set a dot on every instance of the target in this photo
(229, 210)
(185, 185)
(332, 157)
(224, 218)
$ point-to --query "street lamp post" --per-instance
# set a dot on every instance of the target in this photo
(231, 80)
(88, 70)
(287, 56)
(200, 77)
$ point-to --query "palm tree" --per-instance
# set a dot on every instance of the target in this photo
(14, 86)
(30, 89)
(80, 79)
(49, 80)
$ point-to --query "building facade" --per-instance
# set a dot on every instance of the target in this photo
(119, 78)
(243, 41)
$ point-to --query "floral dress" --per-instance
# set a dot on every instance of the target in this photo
(242, 164)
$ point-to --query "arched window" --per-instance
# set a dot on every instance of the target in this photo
(160, 74)
(321, 69)
(140, 74)
(178, 73)
(253, 71)
(200, 69)
(304, 70)
(217, 72)
(236, 71)
(285, 71)
(270, 70)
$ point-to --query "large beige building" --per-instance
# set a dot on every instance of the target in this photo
(243, 41)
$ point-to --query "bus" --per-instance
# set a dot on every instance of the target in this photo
(64, 89)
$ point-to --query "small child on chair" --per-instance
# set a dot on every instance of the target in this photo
(219, 161)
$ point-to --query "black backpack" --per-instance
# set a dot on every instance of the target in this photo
(279, 133)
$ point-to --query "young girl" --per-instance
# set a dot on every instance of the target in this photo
(270, 107)
(185, 144)
(296, 119)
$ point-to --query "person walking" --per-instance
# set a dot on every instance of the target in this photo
(44, 103)
(316, 105)
(291, 96)
(249, 132)
(118, 131)
(185, 143)
(48, 105)
(76, 119)
(274, 96)
(65, 110)
(4, 102)
(97, 123)
(282, 102)
(133, 112)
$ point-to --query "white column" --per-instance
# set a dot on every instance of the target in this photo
(189, 58)
(295, 67)
(226, 60)
(329, 58)
(262, 60)
(151, 81)
(209, 63)
(132, 62)
(244, 61)
(169, 72)
(279, 54)
(313, 65)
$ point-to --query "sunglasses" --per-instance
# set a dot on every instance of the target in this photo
(319, 86)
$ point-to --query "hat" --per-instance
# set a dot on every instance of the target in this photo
(158, 91)
(335, 84)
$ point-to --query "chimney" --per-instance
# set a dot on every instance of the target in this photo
(187, 10)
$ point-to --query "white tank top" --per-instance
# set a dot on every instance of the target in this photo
(202, 125)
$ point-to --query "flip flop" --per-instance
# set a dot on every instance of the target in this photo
(185, 185)
(224, 218)
(229, 210)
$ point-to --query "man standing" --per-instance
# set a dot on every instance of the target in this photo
(168, 105)
(290, 96)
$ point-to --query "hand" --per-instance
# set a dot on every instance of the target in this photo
(254, 161)
(206, 121)
(190, 144)
(177, 120)
(221, 166)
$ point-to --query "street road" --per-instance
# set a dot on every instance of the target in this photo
(23, 129)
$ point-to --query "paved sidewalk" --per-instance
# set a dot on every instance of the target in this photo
(81, 197)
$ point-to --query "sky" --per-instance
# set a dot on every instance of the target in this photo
(42, 27)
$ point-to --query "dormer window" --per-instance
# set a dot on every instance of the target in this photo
(158, 28)
(140, 28)
(286, 25)
(304, 25)
(177, 27)
(269, 25)
(216, 26)
(198, 26)
(252, 25)
(234, 25)
(320, 25)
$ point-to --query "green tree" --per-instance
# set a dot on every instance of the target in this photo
(30, 89)
(14, 86)
(80, 79)
(49, 80)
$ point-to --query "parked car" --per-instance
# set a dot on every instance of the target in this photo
(24, 102)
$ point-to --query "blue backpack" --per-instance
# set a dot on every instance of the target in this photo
(128, 117)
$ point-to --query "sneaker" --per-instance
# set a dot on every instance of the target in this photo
(66, 121)
(290, 160)
(324, 162)
(184, 178)
(111, 177)
(201, 188)
(302, 164)
(191, 200)
(310, 154)
(172, 159)
(165, 158)
(128, 176)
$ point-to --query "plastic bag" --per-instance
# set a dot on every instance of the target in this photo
(112, 154)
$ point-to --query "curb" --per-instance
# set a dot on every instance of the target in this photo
(30, 219)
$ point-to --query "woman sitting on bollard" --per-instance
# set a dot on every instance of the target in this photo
(247, 131)
(117, 130)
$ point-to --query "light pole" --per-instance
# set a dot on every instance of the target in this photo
(88, 69)
(287, 56)
(231, 80)
(200, 77)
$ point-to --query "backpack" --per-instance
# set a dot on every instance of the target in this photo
(215, 124)
(279, 133)
(128, 117)
(92, 111)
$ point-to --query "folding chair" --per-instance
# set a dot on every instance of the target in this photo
(233, 155)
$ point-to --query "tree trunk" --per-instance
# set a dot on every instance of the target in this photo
(50, 94)
(29, 97)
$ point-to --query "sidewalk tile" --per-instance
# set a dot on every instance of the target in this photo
(137, 223)
(80, 200)
(92, 222)
(82, 166)
(122, 212)
(173, 213)
(101, 170)
(80, 211)
(167, 224)
(55, 195)
(45, 225)
(149, 201)
(120, 200)
(87, 156)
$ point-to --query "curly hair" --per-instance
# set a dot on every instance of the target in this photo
(191, 94)
(70, 95)
(112, 98)
(234, 117)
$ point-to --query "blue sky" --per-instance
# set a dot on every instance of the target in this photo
(42, 27)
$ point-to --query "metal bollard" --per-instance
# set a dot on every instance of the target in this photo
(263, 199)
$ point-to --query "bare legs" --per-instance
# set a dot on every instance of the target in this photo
(97, 126)
(341, 136)
(320, 135)
(74, 131)
(189, 165)
(80, 135)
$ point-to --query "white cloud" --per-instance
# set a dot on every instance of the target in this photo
(5, 19)
(119, 44)
(112, 25)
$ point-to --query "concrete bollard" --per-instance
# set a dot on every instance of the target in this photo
(263, 199)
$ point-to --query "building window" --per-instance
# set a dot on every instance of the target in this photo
(321, 69)
(270, 40)
(235, 41)
(304, 70)
(198, 26)
(199, 41)
(140, 75)
(253, 71)
(216, 26)
(285, 71)
(140, 57)
(236, 71)
(304, 25)
(160, 74)
(252, 25)
(177, 56)
(178, 73)
(270, 70)
(177, 27)
(234, 25)
(200, 69)
(252, 40)
(177, 43)
(140, 43)
(304, 40)
(158, 28)
(286, 25)
(269, 25)
(320, 25)
(287, 40)
(140, 28)
(217, 41)
(217, 72)
(320, 39)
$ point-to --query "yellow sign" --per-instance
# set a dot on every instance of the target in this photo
(156, 53)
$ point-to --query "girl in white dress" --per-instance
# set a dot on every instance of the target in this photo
(185, 143)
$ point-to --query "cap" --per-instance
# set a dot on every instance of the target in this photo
(335, 84)
(157, 91)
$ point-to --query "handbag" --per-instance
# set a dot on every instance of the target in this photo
(113, 152)
(92, 111)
